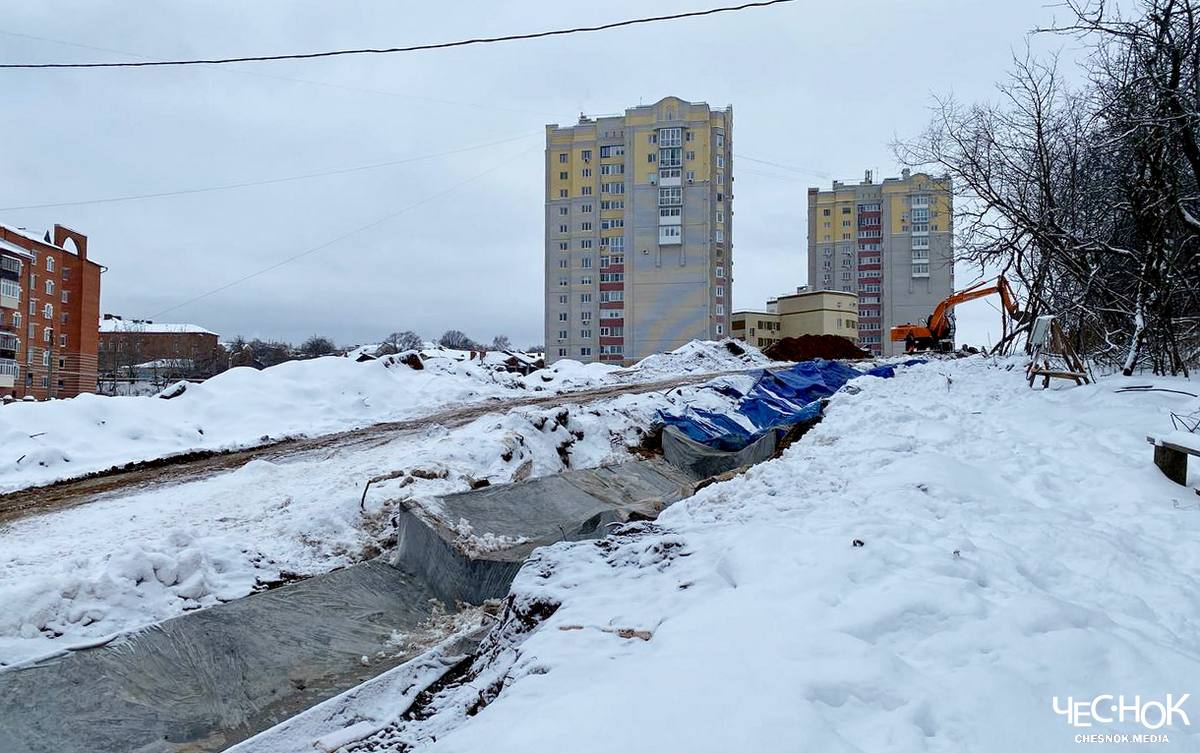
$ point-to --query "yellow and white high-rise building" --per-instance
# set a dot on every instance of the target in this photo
(639, 226)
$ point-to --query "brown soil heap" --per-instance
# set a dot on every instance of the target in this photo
(807, 347)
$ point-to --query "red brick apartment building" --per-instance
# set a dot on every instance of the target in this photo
(49, 314)
(126, 344)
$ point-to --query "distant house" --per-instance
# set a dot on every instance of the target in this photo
(128, 345)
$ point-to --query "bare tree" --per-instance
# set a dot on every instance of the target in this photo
(501, 342)
(1088, 197)
(457, 340)
(317, 345)
(406, 340)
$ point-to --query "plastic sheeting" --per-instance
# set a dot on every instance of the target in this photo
(203, 681)
(703, 461)
(779, 398)
(471, 548)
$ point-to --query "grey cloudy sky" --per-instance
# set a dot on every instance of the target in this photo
(820, 86)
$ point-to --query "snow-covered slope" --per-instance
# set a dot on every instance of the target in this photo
(50, 441)
(925, 571)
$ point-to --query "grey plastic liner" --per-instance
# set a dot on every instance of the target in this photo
(203, 681)
(703, 461)
(454, 554)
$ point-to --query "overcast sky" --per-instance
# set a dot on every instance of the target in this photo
(823, 87)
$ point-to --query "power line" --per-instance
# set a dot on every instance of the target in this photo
(267, 181)
(312, 82)
(411, 48)
(804, 170)
(343, 236)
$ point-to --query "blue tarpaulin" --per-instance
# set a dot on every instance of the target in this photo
(778, 399)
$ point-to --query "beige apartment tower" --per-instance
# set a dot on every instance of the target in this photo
(890, 242)
(639, 252)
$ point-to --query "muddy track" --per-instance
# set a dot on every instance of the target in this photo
(135, 477)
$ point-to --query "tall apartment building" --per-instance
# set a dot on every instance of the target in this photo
(890, 242)
(49, 314)
(639, 227)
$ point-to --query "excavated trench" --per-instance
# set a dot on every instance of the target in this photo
(206, 680)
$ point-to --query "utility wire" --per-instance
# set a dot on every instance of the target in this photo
(411, 48)
(267, 181)
(343, 236)
(804, 170)
(312, 82)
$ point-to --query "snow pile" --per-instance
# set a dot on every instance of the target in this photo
(243, 407)
(121, 562)
(924, 571)
(699, 356)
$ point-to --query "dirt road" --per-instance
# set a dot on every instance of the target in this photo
(192, 466)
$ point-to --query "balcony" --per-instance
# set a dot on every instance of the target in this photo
(10, 267)
(9, 342)
(9, 371)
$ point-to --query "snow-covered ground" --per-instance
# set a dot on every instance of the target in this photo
(926, 570)
(143, 556)
(50, 441)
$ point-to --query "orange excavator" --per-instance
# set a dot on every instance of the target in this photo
(937, 332)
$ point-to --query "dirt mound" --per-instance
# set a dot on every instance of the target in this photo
(806, 347)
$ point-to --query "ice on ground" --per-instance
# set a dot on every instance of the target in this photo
(925, 570)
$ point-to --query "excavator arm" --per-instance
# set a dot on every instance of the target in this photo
(937, 326)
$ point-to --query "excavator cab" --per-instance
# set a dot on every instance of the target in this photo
(938, 332)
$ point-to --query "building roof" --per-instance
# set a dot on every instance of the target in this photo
(153, 328)
(12, 248)
(26, 234)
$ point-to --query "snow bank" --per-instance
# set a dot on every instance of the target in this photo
(925, 571)
(699, 356)
(122, 562)
(50, 441)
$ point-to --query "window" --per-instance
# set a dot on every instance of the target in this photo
(720, 216)
(48, 311)
(719, 236)
(845, 210)
(585, 297)
(585, 262)
(612, 277)
(587, 155)
(16, 319)
(615, 150)
(670, 136)
(670, 234)
(720, 140)
(720, 178)
(609, 296)
(653, 138)
(614, 204)
(720, 292)
(585, 351)
(562, 264)
(562, 316)
(612, 188)
(825, 213)
(562, 334)
(562, 156)
(585, 280)
(720, 197)
(689, 155)
(719, 309)
(585, 208)
(562, 351)
(562, 299)
(62, 340)
(615, 169)
(611, 224)
(920, 270)
(49, 283)
(47, 334)
(586, 243)
(563, 245)
(688, 135)
(585, 316)
(562, 281)
(563, 210)
(584, 334)
(562, 175)
(669, 158)
(49, 263)
(670, 211)
(587, 172)
(563, 229)
(562, 193)
(720, 161)
(720, 329)
(585, 226)
(691, 175)
(720, 271)
(670, 196)
(585, 190)
(611, 313)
